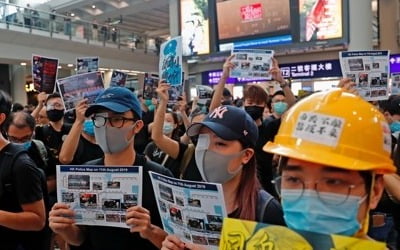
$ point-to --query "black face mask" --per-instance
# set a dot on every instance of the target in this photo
(55, 115)
(255, 112)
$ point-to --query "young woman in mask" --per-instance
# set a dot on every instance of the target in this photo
(80, 144)
(155, 154)
(225, 154)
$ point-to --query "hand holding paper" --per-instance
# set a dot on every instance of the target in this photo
(227, 66)
(61, 218)
(162, 91)
(138, 218)
(80, 110)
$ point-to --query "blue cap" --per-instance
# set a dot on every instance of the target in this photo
(229, 123)
(116, 99)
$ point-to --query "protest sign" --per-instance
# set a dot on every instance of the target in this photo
(87, 64)
(118, 78)
(170, 65)
(251, 63)
(44, 73)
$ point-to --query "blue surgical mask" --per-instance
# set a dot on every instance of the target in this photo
(151, 107)
(147, 102)
(307, 212)
(280, 107)
(395, 126)
(168, 128)
(27, 145)
(88, 127)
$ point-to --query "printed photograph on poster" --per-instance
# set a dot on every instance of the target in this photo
(175, 93)
(170, 65)
(369, 70)
(100, 195)
(251, 63)
(44, 73)
(395, 90)
(193, 211)
(75, 88)
(320, 20)
(118, 78)
(195, 27)
(87, 64)
(149, 88)
(204, 92)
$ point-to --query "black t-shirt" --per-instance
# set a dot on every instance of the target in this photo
(86, 151)
(26, 187)
(120, 238)
(157, 155)
(51, 138)
(266, 132)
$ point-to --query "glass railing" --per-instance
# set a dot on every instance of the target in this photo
(66, 27)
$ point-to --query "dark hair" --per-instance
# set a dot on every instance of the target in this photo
(5, 103)
(20, 120)
(51, 96)
(279, 92)
(256, 93)
(247, 194)
(17, 107)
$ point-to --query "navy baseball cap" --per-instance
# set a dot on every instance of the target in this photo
(229, 123)
(116, 99)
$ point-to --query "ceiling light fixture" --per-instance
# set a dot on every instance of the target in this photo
(70, 65)
(23, 64)
(59, 67)
(72, 14)
(93, 6)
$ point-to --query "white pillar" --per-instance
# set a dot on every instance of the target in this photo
(173, 18)
(360, 25)
(17, 88)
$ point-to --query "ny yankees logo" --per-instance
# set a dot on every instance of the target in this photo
(219, 112)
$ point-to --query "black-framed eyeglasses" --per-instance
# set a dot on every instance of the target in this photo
(288, 183)
(115, 121)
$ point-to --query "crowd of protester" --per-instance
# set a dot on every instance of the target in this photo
(253, 146)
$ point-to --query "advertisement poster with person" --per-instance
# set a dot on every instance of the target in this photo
(75, 88)
(193, 211)
(320, 20)
(241, 234)
(369, 70)
(170, 65)
(251, 63)
(44, 73)
(118, 78)
(100, 195)
(87, 64)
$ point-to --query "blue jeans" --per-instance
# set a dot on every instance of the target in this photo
(385, 233)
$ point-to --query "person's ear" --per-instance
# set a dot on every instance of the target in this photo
(3, 117)
(248, 153)
(376, 192)
(138, 126)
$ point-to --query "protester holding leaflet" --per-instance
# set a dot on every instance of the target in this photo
(224, 154)
(116, 115)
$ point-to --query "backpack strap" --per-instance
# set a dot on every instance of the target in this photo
(187, 156)
(42, 151)
(263, 200)
(10, 155)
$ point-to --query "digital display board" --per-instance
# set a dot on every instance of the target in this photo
(239, 18)
(195, 30)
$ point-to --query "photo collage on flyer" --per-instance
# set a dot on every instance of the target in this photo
(77, 87)
(395, 83)
(44, 73)
(100, 195)
(87, 64)
(369, 70)
(252, 63)
(192, 210)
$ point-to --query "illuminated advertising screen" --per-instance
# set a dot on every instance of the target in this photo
(239, 18)
(195, 27)
(246, 24)
(320, 20)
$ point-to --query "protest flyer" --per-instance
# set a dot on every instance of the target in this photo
(248, 235)
(170, 65)
(118, 78)
(193, 211)
(87, 64)
(100, 195)
(150, 86)
(369, 70)
(44, 73)
(203, 93)
(175, 93)
(77, 87)
(251, 63)
(395, 83)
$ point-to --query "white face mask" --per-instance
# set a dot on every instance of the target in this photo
(113, 140)
(213, 166)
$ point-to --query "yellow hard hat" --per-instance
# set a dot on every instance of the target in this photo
(335, 128)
